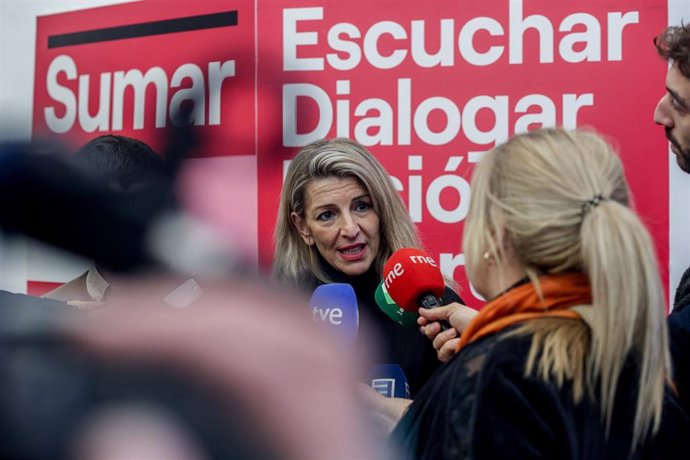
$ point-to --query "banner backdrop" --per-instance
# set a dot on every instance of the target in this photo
(426, 87)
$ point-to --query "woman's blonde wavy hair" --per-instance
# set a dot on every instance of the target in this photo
(532, 191)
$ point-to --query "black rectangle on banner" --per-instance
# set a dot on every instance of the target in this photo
(167, 26)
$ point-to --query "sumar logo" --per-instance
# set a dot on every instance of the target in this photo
(116, 100)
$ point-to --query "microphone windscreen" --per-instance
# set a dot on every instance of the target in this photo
(390, 381)
(409, 274)
(335, 306)
(407, 319)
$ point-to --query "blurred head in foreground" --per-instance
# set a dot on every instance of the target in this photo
(123, 162)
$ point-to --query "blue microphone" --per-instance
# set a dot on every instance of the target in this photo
(335, 306)
(390, 381)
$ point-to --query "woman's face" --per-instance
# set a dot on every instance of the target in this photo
(339, 218)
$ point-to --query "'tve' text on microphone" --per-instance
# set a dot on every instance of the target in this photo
(335, 306)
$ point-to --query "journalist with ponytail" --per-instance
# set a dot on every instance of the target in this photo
(569, 356)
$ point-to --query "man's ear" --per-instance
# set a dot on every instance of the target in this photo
(302, 228)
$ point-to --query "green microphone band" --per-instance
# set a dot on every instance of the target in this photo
(405, 318)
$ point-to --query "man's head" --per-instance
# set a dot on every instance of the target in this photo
(131, 171)
(121, 161)
(673, 110)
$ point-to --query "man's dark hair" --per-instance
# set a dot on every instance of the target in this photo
(122, 161)
(674, 44)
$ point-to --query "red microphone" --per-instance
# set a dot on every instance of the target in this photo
(413, 279)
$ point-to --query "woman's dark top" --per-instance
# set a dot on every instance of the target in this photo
(393, 344)
(481, 406)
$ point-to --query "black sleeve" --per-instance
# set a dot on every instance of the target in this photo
(682, 297)
(515, 417)
(679, 341)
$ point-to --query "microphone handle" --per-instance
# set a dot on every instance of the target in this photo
(430, 301)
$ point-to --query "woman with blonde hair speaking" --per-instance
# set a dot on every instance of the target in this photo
(340, 218)
(568, 359)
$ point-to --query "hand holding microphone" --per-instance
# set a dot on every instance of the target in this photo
(415, 283)
(413, 280)
(384, 412)
(387, 395)
(445, 341)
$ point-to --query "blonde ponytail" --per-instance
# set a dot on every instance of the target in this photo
(627, 310)
(561, 199)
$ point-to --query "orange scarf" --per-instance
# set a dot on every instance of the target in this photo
(524, 303)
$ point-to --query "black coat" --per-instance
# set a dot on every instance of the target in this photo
(679, 339)
(49, 388)
(480, 406)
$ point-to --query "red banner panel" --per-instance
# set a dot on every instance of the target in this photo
(427, 87)
(129, 68)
